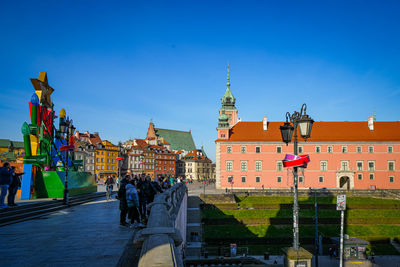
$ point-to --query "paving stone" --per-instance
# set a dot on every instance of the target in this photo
(86, 235)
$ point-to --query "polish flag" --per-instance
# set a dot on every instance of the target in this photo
(119, 158)
(141, 163)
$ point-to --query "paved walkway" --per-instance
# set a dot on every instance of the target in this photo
(84, 235)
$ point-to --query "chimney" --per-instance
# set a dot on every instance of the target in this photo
(371, 123)
(96, 133)
(265, 125)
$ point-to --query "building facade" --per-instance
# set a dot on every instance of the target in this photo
(195, 165)
(105, 158)
(345, 155)
(164, 162)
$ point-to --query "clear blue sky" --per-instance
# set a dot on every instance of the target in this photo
(116, 65)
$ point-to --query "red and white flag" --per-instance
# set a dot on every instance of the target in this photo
(119, 158)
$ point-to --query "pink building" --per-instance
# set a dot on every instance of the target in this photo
(346, 155)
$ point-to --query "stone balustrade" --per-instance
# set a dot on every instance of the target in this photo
(162, 241)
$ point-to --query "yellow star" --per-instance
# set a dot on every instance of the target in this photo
(43, 89)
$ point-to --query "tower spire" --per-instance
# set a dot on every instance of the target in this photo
(228, 82)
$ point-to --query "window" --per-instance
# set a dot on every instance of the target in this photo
(243, 149)
(279, 165)
(229, 166)
(317, 149)
(391, 165)
(278, 149)
(359, 150)
(243, 165)
(108, 160)
(390, 149)
(102, 159)
(344, 165)
(258, 149)
(370, 149)
(371, 176)
(258, 165)
(360, 176)
(279, 179)
(391, 179)
(330, 149)
(344, 149)
(321, 179)
(257, 179)
(98, 167)
(228, 149)
(98, 160)
(359, 165)
(371, 165)
(243, 179)
(108, 154)
(112, 167)
(323, 165)
(300, 149)
(230, 179)
(301, 179)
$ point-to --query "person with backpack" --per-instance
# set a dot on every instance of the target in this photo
(123, 205)
(132, 199)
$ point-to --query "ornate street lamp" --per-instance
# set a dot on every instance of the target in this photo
(287, 131)
(304, 122)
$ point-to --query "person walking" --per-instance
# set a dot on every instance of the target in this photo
(109, 183)
(12, 189)
(5, 181)
(123, 205)
(132, 199)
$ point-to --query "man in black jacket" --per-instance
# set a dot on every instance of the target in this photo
(5, 181)
(12, 189)
(123, 205)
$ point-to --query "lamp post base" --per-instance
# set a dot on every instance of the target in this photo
(294, 258)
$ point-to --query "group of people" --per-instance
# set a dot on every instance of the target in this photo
(134, 195)
(9, 181)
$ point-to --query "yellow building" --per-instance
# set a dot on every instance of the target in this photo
(105, 160)
(11, 150)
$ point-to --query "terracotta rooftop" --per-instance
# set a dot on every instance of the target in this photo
(194, 156)
(322, 131)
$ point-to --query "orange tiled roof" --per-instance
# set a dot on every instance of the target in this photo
(322, 131)
(193, 155)
(165, 142)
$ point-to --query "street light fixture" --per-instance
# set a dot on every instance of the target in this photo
(304, 122)
(66, 127)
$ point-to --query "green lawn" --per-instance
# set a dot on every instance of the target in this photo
(378, 224)
(249, 201)
(275, 231)
(303, 213)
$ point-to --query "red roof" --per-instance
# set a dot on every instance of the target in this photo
(165, 142)
(322, 131)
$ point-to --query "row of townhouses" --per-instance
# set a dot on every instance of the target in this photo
(167, 153)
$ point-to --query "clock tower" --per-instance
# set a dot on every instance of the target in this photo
(227, 113)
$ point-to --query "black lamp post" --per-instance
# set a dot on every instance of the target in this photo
(68, 128)
(304, 122)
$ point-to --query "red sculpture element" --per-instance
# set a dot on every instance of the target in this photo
(296, 161)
